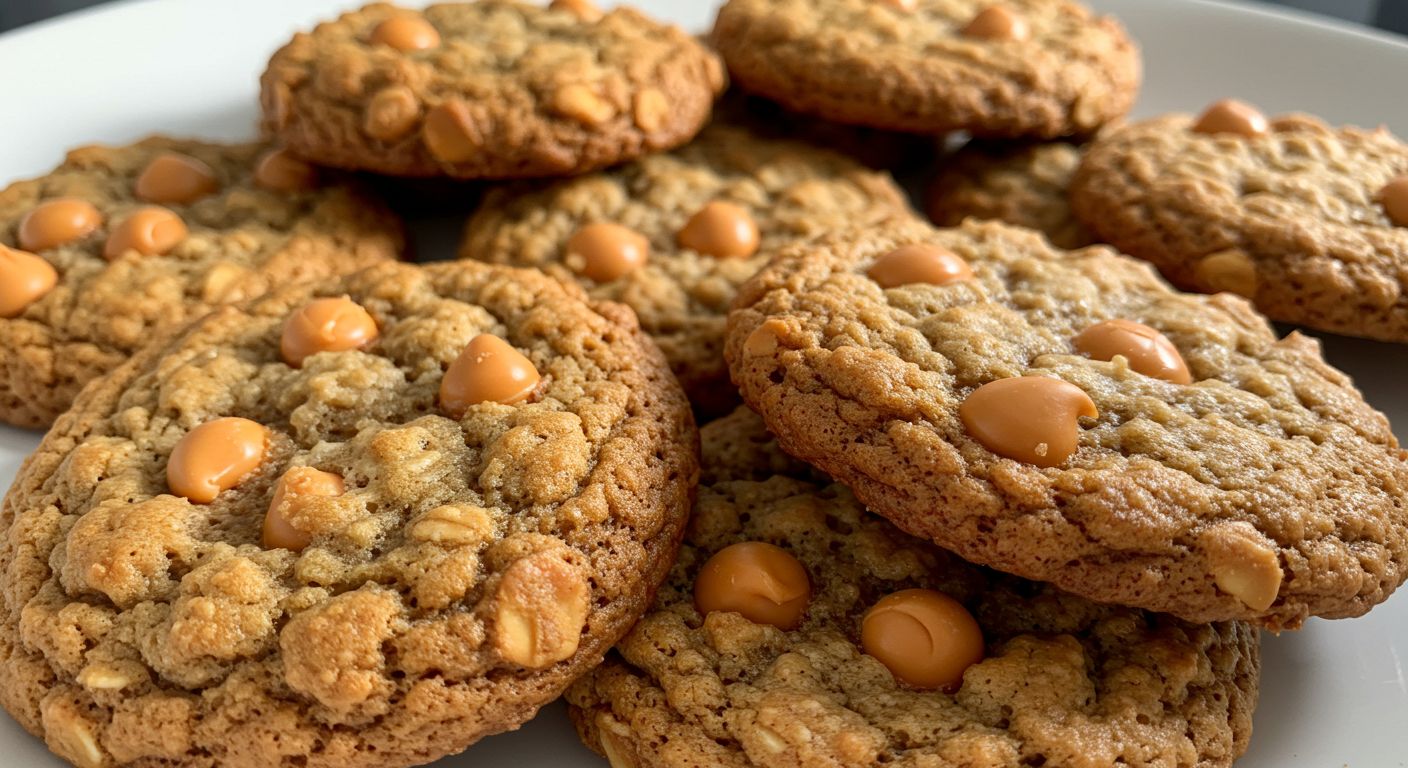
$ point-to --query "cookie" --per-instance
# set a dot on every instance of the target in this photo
(1067, 417)
(1024, 68)
(674, 235)
(886, 150)
(1049, 678)
(489, 89)
(1308, 221)
(1024, 185)
(116, 242)
(356, 522)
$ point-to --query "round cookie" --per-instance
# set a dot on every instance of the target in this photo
(1293, 217)
(1062, 681)
(783, 191)
(1067, 417)
(1023, 185)
(489, 89)
(1022, 68)
(134, 238)
(373, 582)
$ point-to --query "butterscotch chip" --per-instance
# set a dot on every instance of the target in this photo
(1145, 349)
(57, 222)
(688, 688)
(172, 178)
(1038, 69)
(280, 171)
(1290, 216)
(488, 370)
(759, 581)
(919, 263)
(430, 580)
(1394, 198)
(1231, 116)
(511, 89)
(968, 416)
(771, 193)
(325, 325)
(24, 279)
(225, 238)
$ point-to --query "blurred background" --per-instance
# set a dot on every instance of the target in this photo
(1385, 14)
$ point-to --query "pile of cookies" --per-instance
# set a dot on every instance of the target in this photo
(977, 494)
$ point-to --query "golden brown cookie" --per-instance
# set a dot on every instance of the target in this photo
(1020, 68)
(674, 235)
(1065, 416)
(1024, 185)
(1052, 680)
(356, 522)
(489, 89)
(116, 242)
(1291, 213)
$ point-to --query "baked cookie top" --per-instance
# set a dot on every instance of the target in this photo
(119, 241)
(674, 235)
(495, 88)
(1035, 68)
(1067, 417)
(358, 522)
(1024, 185)
(1295, 215)
(1060, 678)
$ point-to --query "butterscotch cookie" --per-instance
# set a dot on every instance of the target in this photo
(1308, 221)
(358, 522)
(1025, 185)
(1035, 68)
(1067, 417)
(119, 241)
(495, 88)
(674, 235)
(899, 152)
(798, 630)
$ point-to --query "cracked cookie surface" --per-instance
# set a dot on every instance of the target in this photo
(790, 191)
(491, 89)
(465, 574)
(1219, 499)
(1065, 681)
(907, 66)
(1291, 219)
(242, 238)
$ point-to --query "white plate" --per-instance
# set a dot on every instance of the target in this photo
(1332, 694)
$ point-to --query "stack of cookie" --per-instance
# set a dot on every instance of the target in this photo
(974, 495)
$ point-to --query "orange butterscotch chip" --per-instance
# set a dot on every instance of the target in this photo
(603, 251)
(1033, 419)
(1394, 198)
(997, 22)
(582, 9)
(760, 581)
(282, 172)
(720, 229)
(391, 114)
(214, 457)
(290, 494)
(925, 638)
(172, 178)
(406, 32)
(24, 279)
(1148, 351)
(150, 231)
(1232, 116)
(325, 325)
(450, 134)
(488, 370)
(919, 263)
(57, 222)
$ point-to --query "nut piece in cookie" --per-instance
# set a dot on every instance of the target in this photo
(1067, 417)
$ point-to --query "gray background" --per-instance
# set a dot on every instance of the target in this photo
(1388, 14)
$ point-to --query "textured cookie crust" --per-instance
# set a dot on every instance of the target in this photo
(876, 148)
(243, 240)
(870, 63)
(1290, 220)
(1269, 456)
(1065, 681)
(142, 629)
(682, 297)
(1023, 185)
(507, 62)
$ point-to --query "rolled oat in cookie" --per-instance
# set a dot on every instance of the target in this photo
(1068, 417)
(357, 522)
